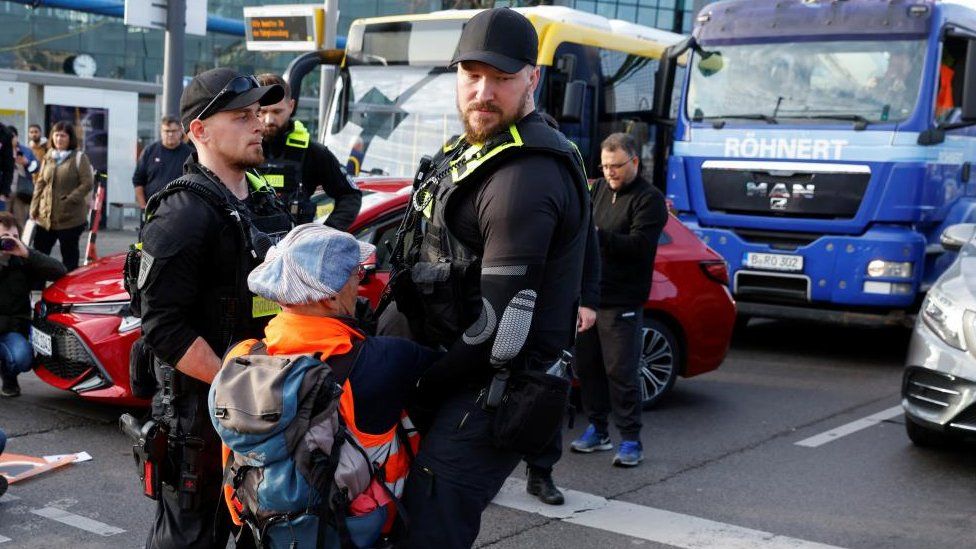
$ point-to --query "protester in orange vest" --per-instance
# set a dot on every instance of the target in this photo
(314, 275)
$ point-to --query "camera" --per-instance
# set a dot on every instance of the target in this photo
(7, 244)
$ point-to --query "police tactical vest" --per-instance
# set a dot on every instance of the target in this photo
(444, 270)
(284, 174)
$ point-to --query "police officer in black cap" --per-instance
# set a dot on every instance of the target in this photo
(499, 221)
(204, 233)
(295, 165)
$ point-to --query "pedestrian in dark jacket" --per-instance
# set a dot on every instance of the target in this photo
(160, 162)
(20, 269)
(629, 214)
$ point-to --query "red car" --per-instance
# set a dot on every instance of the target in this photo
(82, 331)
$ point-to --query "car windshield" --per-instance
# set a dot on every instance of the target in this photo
(868, 80)
(387, 117)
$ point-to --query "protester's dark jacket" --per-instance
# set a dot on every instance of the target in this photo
(158, 166)
(321, 168)
(629, 223)
(17, 278)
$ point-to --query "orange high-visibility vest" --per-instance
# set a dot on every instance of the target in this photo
(384, 450)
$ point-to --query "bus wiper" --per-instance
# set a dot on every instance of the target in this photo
(860, 123)
(718, 122)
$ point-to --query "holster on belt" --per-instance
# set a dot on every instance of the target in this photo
(148, 450)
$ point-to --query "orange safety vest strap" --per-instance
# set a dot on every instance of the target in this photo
(945, 101)
(233, 505)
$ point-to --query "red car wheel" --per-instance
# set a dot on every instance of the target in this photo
(660, 361)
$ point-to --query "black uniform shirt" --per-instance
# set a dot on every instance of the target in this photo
(193, 273)
(321, 169)
(523, 219)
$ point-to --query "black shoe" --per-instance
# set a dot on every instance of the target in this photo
(3, 485)
(541, 486)
(10, 388)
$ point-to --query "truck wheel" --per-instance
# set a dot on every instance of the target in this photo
(924, 437)
(660, 361)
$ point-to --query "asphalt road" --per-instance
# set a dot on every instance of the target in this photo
(723, 466)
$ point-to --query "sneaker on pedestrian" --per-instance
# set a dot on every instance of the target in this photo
(10, 387)
(630, 453)
(591, 441)
(540, 485)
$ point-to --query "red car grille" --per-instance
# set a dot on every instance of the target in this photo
(69, 357)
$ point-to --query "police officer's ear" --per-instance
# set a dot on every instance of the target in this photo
(197, 130)
(534, 75)
(291, 107)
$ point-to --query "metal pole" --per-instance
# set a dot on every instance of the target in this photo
(173, 56)
(327, 79)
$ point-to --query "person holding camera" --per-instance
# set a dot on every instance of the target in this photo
(20, 268)
(61, 193)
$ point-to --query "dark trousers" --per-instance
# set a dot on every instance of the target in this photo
(608, 361)
(457, 473)
(68, 242)
(546, 460)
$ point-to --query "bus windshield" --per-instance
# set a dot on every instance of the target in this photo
(808, 82)
(385, 118)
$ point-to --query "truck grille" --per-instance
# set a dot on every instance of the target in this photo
(778, 240)
(772, 286)
(931, 390)
(69, 357)
(762, 189)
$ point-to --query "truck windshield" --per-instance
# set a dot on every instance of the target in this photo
(385, 118)
(813, 82)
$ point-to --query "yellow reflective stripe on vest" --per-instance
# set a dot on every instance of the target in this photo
(298, 137)
(261, 307)
(472, 165)
(276, 180)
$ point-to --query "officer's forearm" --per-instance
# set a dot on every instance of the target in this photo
(141, 196)
(199, 361)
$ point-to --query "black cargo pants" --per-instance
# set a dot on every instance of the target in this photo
(608, 362)
(458, 471)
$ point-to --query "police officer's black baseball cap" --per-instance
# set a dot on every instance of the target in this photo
(500, 37)
(223, 89)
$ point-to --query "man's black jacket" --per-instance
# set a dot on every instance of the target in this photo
(17, 278)
(6, 160)
(629, 223)
(321, 169)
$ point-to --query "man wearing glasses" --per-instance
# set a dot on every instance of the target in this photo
(629, 215)
(160, 162)
(203, 235)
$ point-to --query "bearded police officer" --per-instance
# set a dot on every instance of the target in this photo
(499, 221)
(295, 165)
(203, 235)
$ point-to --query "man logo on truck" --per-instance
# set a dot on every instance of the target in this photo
(780, 195)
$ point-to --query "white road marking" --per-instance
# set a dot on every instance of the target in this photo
(852, 427)
(4, 539)
(647, 523)
(77, 521)
(8, 497)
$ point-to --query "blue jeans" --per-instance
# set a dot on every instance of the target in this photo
(15, 354)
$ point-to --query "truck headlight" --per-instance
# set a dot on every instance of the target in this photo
(944, 317)
(879, 268)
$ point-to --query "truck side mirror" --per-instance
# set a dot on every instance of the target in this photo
(954, 237)
(969, 84)
(572, 110)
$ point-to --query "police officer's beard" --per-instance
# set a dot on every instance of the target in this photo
(249, 161)
(480, 135)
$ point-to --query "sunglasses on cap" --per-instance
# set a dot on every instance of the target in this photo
(235, 87)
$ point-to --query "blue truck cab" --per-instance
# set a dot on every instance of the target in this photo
(821, 146)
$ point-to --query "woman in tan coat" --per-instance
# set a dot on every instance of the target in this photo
(61, 192)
